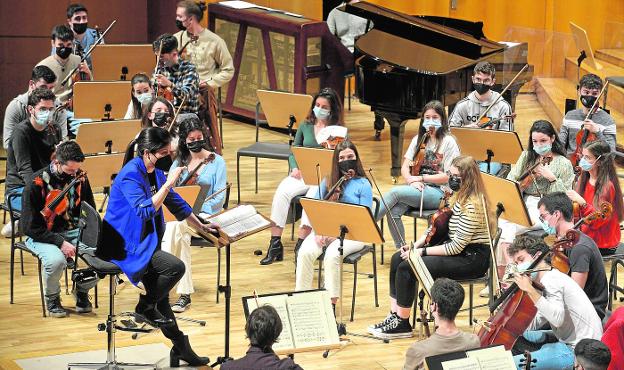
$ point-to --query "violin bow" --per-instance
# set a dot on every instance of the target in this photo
(175, 116)
(393, 223)
(502, 92)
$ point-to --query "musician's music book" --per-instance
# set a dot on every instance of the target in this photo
(239, 222)
(420, 270)
(489, 358)
(307, 318)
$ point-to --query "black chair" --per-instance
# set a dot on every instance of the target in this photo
(617, 260)
(90, 235)
(280, 151)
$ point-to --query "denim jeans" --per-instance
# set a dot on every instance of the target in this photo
(53, 262)
(400, 199)
(550, 356)
(494, 167)
(16, 202)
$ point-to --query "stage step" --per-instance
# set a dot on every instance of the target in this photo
(615, 98)
(613, 56)
(552, 93)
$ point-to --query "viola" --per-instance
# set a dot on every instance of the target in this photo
(57, 204)
(487, 123)
(438, 232)
(191, 178)
(419, 155)
(527, 178)
(514, 309)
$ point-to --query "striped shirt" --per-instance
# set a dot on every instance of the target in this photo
(466, 226)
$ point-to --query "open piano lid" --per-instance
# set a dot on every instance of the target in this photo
(416, 43)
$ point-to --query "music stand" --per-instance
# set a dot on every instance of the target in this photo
(101, 100)
(102, 169)
(281, 107)
(356, 222)
(502, 146)
(189, 193)
(121, 62)
(512, 207)
(107, 137)
(581, 40)
(314, 164)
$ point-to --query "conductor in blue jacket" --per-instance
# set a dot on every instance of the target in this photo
(134, 226)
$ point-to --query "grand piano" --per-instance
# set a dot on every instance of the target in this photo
(406, 61)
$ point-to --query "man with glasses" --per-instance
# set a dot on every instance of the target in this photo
(601, 123)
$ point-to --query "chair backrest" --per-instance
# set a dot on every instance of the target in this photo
(90, 225)
(259, 121)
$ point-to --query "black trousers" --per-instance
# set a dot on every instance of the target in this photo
(471, 263)
(163, 273)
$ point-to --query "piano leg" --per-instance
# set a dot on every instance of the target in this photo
(397, 133)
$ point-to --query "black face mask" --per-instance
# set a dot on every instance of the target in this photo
(164, 163)
(588, 100)
(180, 25)
(454, 183)
(63, 176)
(64, 52)
(349, 164)
(160, 119)
(481, 88)
(196, 146)
(79, 28)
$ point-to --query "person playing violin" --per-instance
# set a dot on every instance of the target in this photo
(601, 123)
(599, 183)
(54, 243)
(84, 37)
(176, 74)
(356, 189)
(466, 254)
(585, 261)
(326, 110)
(62, 62)
(562, 304)
(440, 148)
(447, 297)
(193, 153)
(141, 94)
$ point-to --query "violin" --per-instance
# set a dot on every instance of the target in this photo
(438, 232)
(332, 142)
(182, 51)
(191, 178)
(487, 123)
(419, 155)
(482, 116)
(583, 136)
(514, 308)
(334, 192)
(80, 76)
(527, 178)
(57, 204)
(162, 91)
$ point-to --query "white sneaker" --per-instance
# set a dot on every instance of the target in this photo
(485, 292)
(6, 229)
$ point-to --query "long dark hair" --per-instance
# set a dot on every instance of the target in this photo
(152, 139)
(546, 128)
(335, 107)
(606, 174)
(145, 121)
(136, 105)
(440, 133)
(187, 126)
(336, 174)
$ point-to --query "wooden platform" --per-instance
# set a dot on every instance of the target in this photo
(24, 333)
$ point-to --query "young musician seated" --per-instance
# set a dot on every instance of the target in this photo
(176, 75)
(466, 255)
(447, 297)
(586, 267)
(356, 189)
(133, 229)
(470, 108)
(562, 304)
(141, 94)
(17, 110)
(209, 170)
(326, 110)
(84, 37)
(591, 354)
(262, 328)
(600, 123)
(557, 175)
(53, 238)
(32, 143)
(599, 183)
(422, 190)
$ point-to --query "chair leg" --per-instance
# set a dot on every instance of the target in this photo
(293, 209)
(354, 290)
(382, 244)
(375, 275)
(256, 175)
(319, 273)
(12, 273)
(66, 283)
(470, 303)
(220, 110)
(43, 307)
(238, 176)
(96, 296)
(218, 272)
(22, 261)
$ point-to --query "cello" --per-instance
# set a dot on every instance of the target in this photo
(515, 310)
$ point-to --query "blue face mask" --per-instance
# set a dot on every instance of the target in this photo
(41, 117)
(550, 230)
(525, 266)
(541, 150)
(144, 98)
(436, 124)
(585, 165)
(321, 113)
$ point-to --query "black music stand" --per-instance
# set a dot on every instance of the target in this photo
(502, 146)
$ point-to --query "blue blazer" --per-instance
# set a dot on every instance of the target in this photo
(131, 216)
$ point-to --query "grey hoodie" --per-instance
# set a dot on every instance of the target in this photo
(468, 110)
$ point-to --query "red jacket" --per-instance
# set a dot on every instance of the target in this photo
(606, 233)
(613, 337)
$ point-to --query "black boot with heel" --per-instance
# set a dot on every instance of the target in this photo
(182, 351)
(275, 251)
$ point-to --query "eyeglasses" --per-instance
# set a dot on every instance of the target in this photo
(542, 217)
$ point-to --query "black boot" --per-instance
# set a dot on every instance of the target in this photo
(275, 251)
(147, 312)
(297, 246)
(182, 351)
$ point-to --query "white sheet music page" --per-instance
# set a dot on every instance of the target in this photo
(285, 340)
(308, 317)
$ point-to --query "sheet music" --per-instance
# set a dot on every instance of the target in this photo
(495, 358)
(285, 340)
(461, 364)
(421, 271)
(309, 320)
(244, 225)
(233, 215)
(331, 131)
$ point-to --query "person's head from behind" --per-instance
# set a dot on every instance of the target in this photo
(263, 327)
(326, 107)
(40, 107)
(41, 76)
(167, 44)
(154, 146)
(157, 113)
(589, 89)
(591, 354)
(484, 77)
(434, 120)
(447, 297)
(77, 18)
(62, 41)
(67, 159)
(193, 138)
(189, 12)
(141, 90)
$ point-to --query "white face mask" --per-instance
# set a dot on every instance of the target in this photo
(321, 113)
(41, 117)
(144, 98)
